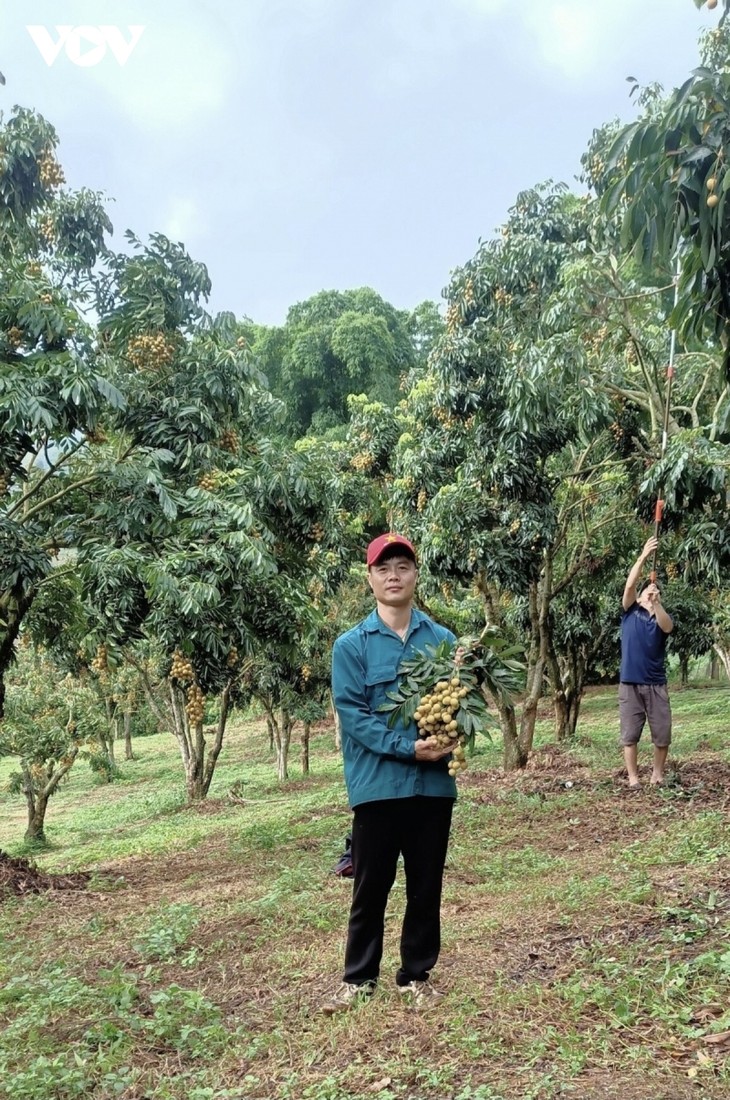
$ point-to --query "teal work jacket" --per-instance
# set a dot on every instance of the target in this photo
(381, 762)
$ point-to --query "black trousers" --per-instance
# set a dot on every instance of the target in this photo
(417, 828)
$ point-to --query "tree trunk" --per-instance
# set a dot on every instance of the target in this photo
(271, 728)
(199, 767)
(194, 771)
(567, 678)
(37, 800)
(306, 733)
(282, 739)
(567, 708)
(713, 666)
(128, 753)
(106, 739)
(539, 603)
(724, 655)
(163, 720)
(513, 756)
(684, 671)
(516, 745)
(220, 729)
(37, 805)
(35, 832)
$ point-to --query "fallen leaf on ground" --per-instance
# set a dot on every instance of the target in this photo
(717, 1037)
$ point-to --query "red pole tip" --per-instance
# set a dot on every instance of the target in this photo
(659, 511)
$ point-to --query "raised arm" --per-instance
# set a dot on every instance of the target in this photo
(629, 596)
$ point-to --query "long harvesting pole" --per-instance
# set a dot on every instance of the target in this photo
(659, 507)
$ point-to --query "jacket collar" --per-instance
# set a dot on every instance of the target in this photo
(375, 625)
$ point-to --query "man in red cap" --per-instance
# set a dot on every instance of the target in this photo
(398, 786)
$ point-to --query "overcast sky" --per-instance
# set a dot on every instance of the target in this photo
(297, 145)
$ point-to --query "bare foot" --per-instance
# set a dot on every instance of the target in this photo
(657, 780)
(634, 785)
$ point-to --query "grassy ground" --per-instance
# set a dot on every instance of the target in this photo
(586, 950)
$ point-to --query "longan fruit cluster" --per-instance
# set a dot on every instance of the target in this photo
(48, 230)
(4, 484)
(150, 350)
(209, 481)
(100, 663)
(195, 706)
(453, 317)
(458, 763)
(437, 711)
(362, 461)
(229, 441)
(232, 658)
(181, 668)
(50, 171)
(14, 336)
(436, 717)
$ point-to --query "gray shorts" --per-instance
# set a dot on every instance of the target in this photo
(639, 703)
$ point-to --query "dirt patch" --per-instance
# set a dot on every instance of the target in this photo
(20, 876)
(553, 770)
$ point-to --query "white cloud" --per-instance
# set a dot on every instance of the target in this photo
(582, 38)
(183, 220)
(181, 69)
(177, 74)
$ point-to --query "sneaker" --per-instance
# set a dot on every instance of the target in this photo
(346, 997)
(420, 995)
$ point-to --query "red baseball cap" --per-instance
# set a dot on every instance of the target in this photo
(378, 546)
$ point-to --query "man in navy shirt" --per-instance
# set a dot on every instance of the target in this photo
(398, 786)
(643, 695)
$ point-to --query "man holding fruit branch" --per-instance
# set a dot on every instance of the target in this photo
(410, 696)
(400, 786)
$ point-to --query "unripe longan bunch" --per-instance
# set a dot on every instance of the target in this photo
(181, 668)
(232, 659)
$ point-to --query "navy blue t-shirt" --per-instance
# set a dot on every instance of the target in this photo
(643, 643)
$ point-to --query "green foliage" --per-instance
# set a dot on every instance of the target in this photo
(487, 665)
(116, 1020)
(339, 343)
(168, 933)
(668, 177)
(692, 615)
(49, 716)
